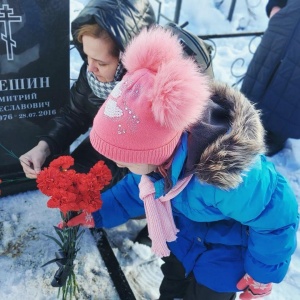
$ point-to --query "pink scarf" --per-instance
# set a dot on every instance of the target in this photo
(159, 216)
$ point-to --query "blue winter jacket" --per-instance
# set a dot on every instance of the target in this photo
(237, 215)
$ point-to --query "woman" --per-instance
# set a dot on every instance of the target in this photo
(100, 33)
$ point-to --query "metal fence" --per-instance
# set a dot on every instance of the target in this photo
(212, 39)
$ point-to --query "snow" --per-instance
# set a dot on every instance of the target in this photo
(25, 218)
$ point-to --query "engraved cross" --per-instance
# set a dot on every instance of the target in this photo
(7, 17)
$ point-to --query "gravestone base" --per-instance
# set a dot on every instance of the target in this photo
(19, 185)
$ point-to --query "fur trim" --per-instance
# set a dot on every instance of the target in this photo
(224, 161)
(180, 92)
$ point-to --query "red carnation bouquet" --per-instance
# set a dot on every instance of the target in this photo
(72, 193)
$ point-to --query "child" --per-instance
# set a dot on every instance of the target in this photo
(194, 148)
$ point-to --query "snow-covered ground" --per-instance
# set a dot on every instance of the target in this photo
(25, 218)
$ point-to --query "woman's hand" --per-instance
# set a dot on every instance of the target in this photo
(33, 160)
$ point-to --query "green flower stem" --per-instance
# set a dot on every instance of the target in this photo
(68, 240)
(14, 180)
(11, 154)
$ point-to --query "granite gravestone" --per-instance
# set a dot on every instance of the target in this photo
(34, 79)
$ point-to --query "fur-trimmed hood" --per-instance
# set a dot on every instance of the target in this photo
(224, 144)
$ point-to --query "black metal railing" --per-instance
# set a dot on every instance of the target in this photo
(160, 15)
(238, 62)
(212, 38)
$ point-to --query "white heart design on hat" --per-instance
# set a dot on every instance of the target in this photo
(111, 109)
(116, 92)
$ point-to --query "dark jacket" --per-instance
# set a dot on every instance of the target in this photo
(237, 214)
(272, 79)
(273, 3)
(122, 20)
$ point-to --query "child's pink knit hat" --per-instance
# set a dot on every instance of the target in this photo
(161, 95)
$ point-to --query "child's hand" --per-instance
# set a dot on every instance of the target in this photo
(84, 219)
(253, 289)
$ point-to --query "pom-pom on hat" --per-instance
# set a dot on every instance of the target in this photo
(160, 96)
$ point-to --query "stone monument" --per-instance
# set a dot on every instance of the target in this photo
(34, 79)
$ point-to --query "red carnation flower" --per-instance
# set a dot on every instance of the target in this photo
(47, 180)
(102, 173)
(62, 163)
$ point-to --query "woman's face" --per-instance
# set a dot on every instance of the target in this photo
(100, 60)
(139, 169)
